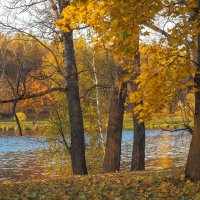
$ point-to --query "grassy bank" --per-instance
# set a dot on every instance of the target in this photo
(155, 124)
(165, 184)
(159, 123)
(26, 125)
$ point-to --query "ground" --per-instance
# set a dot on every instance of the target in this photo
(164, 184)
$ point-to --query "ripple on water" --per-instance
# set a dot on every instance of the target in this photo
(19, 159)
(163, 150)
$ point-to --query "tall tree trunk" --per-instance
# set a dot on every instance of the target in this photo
(115, 125)
(75, 112)
(138, 153)
(192, 170)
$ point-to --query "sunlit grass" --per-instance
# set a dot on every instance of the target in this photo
(26, 125)
(155, 124)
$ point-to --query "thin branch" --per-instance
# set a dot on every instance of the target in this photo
(188, 129)
(30, 96)
(91, 88)
(35, 38)
(157, 29)
(25, 6)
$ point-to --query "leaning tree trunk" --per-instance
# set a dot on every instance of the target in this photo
(75, 112)
(18, 124)
(138, 154)
(115, 126)
(192, 170)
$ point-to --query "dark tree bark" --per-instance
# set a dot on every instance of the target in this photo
(115, 125)
(138, 154)
(192, 170)
(75, 112)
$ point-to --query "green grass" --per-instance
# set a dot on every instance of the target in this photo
(26, 125)
(155, 124)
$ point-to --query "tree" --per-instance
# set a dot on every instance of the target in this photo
(138, 154)
(75, 113)
(45, 23)
(193, 162)
(115, 122)
(117, 26)
(186, 31)
(21, 57)
(57, 132)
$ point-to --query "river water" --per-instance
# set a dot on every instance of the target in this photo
(19, 158)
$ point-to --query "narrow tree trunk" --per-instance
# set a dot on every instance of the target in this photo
(18, 124)
(138, 153)
(101, 135)
(193, 162)
(115, 125)
(75, 112)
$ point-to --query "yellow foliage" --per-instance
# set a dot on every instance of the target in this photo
(164, 73)
(21, 116)
(115, 22)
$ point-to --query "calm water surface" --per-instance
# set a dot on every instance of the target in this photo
(19, 159)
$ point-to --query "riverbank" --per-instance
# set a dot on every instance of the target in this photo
(164, 184)
(155, 124)
(167, 123)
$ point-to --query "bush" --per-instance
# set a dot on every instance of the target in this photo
(21, 116)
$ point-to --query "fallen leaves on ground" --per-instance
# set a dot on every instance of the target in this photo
(164, 184)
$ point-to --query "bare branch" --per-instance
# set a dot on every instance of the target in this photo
(36, 39)
(25, 6)
(91, 88)
(30, 96)
(188, 129)
(157, 29)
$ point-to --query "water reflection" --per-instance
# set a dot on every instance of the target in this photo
(163, 150)
(18, 156)
(20, 165)
(19, 159)
(164, 160)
